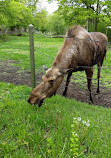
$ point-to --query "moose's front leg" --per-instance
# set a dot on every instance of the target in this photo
(67, 83)
(89, 74)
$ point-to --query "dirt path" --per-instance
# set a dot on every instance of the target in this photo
(12, 74)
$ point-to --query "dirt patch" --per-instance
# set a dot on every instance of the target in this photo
(15, 75)
(82, 95)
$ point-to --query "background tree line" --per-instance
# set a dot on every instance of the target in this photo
(94, 15)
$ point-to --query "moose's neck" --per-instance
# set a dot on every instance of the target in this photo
(64, 58)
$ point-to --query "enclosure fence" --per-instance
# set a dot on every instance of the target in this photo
(33, 77)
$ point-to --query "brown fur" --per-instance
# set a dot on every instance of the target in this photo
(80, 51)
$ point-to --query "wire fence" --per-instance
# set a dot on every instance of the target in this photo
(61, 36)
(14, 72)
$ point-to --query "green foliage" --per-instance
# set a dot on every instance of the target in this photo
(78, 136)
(30, 4)
(3, 12)
(74, 144)
(21, 16)
(20, 13)
(15, 14)
(79, 11)
(40, 20)
(56, 24)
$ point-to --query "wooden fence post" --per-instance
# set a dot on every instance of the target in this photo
(32, 59)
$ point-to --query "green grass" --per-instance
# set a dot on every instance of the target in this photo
(29, 131)
(55, 129)
(17, 48)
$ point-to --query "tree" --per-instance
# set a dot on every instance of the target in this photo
(40, 20)
(3, 12)
(81, 11)
(30, 4)
(56, 24)
(15, 14)
(107, 8)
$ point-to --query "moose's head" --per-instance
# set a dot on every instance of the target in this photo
(48, 87)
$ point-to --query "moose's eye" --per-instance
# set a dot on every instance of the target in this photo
(51, 82)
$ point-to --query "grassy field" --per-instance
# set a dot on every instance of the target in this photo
(61, 127)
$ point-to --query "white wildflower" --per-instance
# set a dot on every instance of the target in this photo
(84, 122)
(74, 118)
(79, 118)
(87, 124)
(73, 133)
(88, 121)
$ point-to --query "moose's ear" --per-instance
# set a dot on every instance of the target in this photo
(45, 67)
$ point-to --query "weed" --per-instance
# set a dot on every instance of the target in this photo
(79, 133)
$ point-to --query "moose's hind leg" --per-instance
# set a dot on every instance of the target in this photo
(89, 74)
(98, 75)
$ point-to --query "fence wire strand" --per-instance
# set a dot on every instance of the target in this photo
(61, 36)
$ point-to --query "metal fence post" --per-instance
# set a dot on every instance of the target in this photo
(32, 59)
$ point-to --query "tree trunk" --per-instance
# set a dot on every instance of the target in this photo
(88, 25)
(97, 13)
(96, 23)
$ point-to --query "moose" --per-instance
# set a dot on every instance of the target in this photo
(81, 50)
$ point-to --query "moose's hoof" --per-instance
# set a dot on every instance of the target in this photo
(64, 94)
(91, 102)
